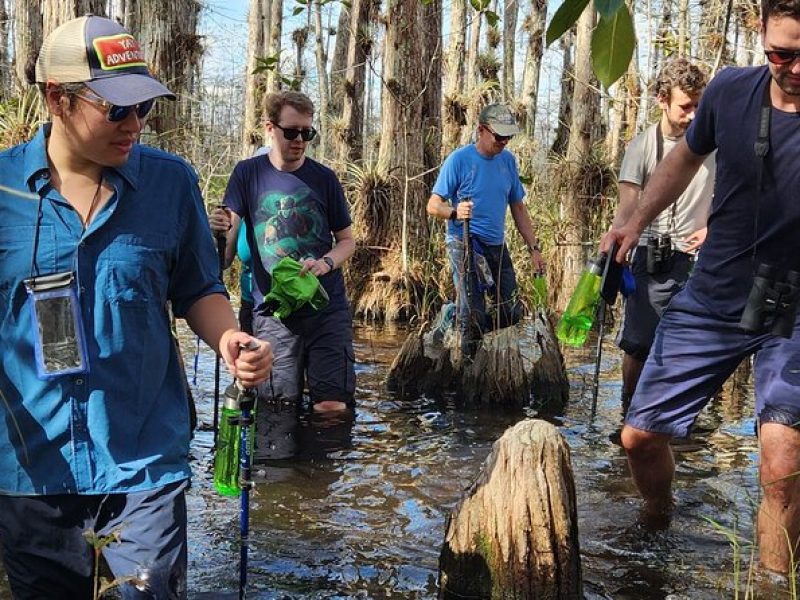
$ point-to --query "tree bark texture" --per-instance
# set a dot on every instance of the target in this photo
(56, 12)
(344, 32)
(5, 57)
(509, 49)
(275, 47)
(405, 77)
(350, 138)
(323, 111)
(582, 135)
(559, 146)
(259, 29)
(167, 31)
(454, 110)
(432, 95)
(514, 367)
(534, 27)
(514, 535)
(28, 27)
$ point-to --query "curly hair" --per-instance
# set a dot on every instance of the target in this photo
(682, 74)
(274, 103)
(779, 8)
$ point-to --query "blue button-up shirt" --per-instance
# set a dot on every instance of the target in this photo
(124, 425)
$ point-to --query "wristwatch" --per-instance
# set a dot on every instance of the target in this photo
(328, 261)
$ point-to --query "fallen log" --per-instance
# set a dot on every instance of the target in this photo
(511, 366)
(514, 535)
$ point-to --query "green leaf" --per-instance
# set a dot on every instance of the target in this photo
(492, 18)
(565, 17)
(525, 179)
(607, 8)
(476, 4)
(613, 42)
(297, 10)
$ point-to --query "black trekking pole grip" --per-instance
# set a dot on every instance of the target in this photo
(222, 243)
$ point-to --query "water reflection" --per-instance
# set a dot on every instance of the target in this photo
(357, 508)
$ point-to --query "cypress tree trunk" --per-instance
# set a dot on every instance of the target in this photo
(453, 106)
(56, 12)
(259, 29)
(339, 62)
(5, 58)
(514, 535)
(276, 33)
(323, 110)
(28, 28)
(534, 28)
(509, 48)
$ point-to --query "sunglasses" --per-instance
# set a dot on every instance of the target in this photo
(291, 133)
(782, 57)
(497, 137)
(114, 113)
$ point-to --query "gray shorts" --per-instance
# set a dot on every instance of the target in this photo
(316, 350)
(46, 554)
(644, 308)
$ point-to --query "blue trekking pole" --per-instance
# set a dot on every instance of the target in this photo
(221, 243)
(247, 401)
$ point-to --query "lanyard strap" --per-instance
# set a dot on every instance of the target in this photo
(659, 156)
(761, 148)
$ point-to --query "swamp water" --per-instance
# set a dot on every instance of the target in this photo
(359, 511)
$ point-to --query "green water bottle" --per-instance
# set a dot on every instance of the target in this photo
(226, 461)
(539, 290)
(577, 320)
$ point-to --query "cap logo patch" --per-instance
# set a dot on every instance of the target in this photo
(118, 52)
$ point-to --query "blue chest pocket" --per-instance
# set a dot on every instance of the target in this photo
(136, 269)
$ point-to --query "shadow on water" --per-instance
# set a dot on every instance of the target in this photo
(357, 508)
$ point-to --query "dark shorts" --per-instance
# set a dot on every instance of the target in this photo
(692, 356)
(46, 554)
(316, 350)
(643, 308)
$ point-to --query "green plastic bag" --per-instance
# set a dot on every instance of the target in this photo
(290, 290)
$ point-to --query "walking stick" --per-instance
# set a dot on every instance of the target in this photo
(467, 271)
(609, 288)
(221, 243)
(601, 309)
(247, 400)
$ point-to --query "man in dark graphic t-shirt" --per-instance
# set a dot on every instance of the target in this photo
(294, 206)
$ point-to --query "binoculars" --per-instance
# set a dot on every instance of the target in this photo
(772, 304)
(659, 254)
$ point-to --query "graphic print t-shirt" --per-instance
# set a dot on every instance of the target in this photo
(289, 214)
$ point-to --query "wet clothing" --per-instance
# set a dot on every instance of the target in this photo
(289, 214)
(690, 211)
(122, 429)
(491, 183)
(316, 350)
(46, 554)
(295, 214)
(699, 341)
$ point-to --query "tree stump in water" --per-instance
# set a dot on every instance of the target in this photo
(514, 535)
(508, 366)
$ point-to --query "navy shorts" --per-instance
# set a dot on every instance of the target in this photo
(694, 353)
(315, 349)
(643, 308)
(46, 554)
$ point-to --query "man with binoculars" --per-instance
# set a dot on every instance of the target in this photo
(663, 260)
(742, 296)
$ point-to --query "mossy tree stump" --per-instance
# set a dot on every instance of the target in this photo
(509, 366)
(514, 535)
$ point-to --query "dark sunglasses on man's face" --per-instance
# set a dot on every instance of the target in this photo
(114, 113)
(782, 57)
(290, 133)
(499, 138)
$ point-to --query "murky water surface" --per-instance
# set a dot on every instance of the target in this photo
(359, 511)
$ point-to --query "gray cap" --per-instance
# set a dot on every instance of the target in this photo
(500, 118)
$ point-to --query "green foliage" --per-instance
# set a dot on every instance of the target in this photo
(565, 17)
(101, 584)
(20, 117)
(613, 42)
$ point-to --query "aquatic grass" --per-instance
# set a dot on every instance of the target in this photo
(741, 548)
(102, 585)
